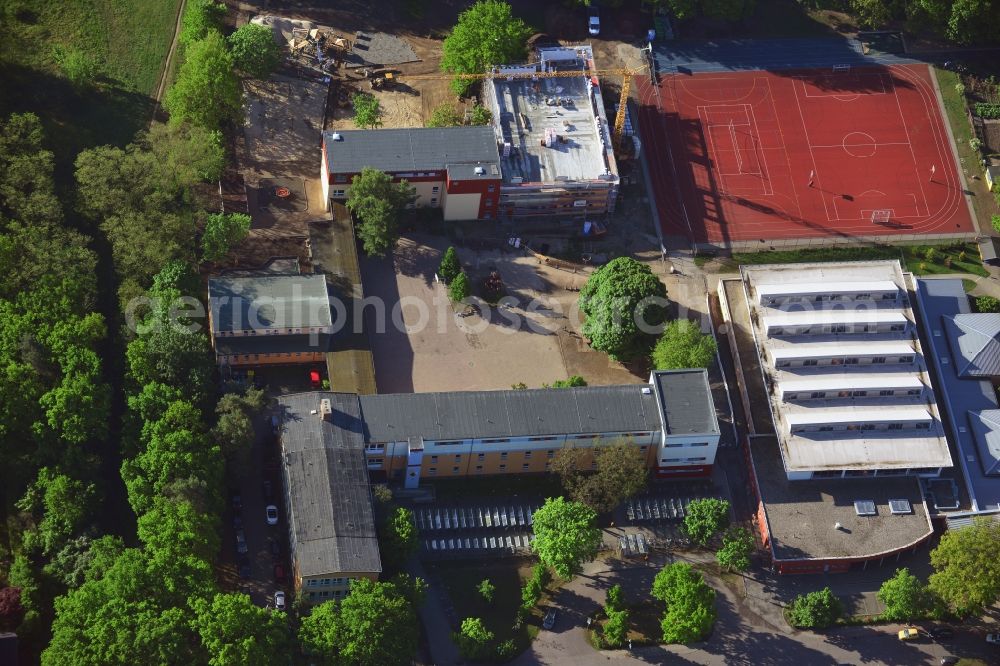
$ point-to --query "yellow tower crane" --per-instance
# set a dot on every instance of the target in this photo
(626, 74)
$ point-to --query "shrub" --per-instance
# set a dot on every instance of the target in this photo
(615, 599)
(815, 610)
(450, 266)
(975, 144)
(506, 650)
(989, 110)
(962, 256)
(987, 304)
(960, 88)
(459, 289)
(947, 262)
(481, 115)
(616, 628)
(931, 255)
(995, 221)
(444, 115)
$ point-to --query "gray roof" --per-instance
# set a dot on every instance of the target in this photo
(274, 301)
(975, 341)
(329, 499)
(940, 300)
(986, 431)
(496, 414)
(801, 515)
(410, 149)
(687, 401)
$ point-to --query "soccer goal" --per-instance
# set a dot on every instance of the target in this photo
(840, 69)
(881, 216)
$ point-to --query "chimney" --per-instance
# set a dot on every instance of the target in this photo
(325, 408)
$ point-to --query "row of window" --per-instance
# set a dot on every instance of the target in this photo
(256, 357)
(856, 473)
(835, 328)
(848, 360)
(526, 467)
(676, 460)
(674, 446)
(325, 582)
(819, 298)
(270, 331)
(326, 594)
(883, 393)
(920, 425)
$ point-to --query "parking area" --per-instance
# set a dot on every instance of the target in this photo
(475, 531)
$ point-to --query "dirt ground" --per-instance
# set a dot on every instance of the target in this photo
(535, 340)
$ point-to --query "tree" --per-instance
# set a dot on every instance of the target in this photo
(474, 638)
(459, 289)
(615, 598)
(682, 9)
(11, 610)
(398, 538)
(872, 13)
(704, 518)
(83, 559)
(905, 597)
(486, 34)
(78, 67)
(987, 304)
(186, 153)
(234, 630)
(375, 624)
(995, 221)
(254, 50)
(222, 233)
(616, 628)
(234, 429)
(27, 188)
(376, 202)
(815, 610)
(620, 473)
(450, 266)
(615, 299)
(737, 546)
(572, 381)
(690, 603)
(966, 570)
(486, 590)
(176, 529)
(682, 345)
(480, 115)
(566, 535)
(444, 115)
(61, 504)
(200, 18)
(206, 92)
(367, 110)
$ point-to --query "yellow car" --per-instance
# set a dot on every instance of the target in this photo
(909, 634)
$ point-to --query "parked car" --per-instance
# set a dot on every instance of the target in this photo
(271, 512)
(279, 600)
(266, 490)
(241, 542)
(909, 634)
(274, 424)
(244, 566)
(993, 639)
(594, 21)
(314, 379)
(234, 496)
(279, 573)
(237, 521)
(550, 619)
(940, 633)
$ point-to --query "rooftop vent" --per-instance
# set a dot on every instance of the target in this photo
(325, 408)
(900, 506)
(479, 170)
(336, 136)
(865, 507)
(646, 390)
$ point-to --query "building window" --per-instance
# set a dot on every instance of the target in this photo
(906, 359)
(839, 328)
(454, 470)
(818, 394)
(701, 459)
(435, 189)
(488, 202)
(338, 193)
(836, 297)
(700, 444)
(878, 359)
(783, 364)
(851, 360)
(860, 394)
(923, 426)
(524, 467)
(434, 201)
(491, 188)
(434, 459)
(479, 468)
(888, 297)
(914, 392)
(458, 457)
(503, 455)
(496, 440)
(482, 456)
(503, 468)
(810, 362)
(825, 428)
(432, 471)
(895, 426)
(549, 439)
(552, 454)
(886, 392)
(340, 178)
(527, 455)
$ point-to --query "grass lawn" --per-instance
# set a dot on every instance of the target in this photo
(964, 258)
(983, 202)
(127, 40)
(461, 580)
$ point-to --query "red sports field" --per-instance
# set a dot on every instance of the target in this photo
(764, 156)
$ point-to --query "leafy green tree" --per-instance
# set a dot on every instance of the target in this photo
(905, 597)
(27, 191)
(206, 92)
(973, 21)
(615, 598)
(615, 299)
(616, 628)
(77, 66)
(61, 505)
(682, 345)
(872, 13)
(200, 18)
(737, 546)
(682, 9)
(222, 233)
(234, 429)
(24, 577)
(186, 153)
(450, 266)
(235, 631)
(444, 115)
(727, 10)
(480, 115)
(566, 535)
(966, 570)
(459, 289)
(486, 590)
(690, 603)
(571, 382)
(534, 586)
(987, 304)
(486, 34)
(176, 529)
(620, 473)
(11, 610)
(815, 610)
(398, 538)
(367, 110)
(83, 559)
(254, 50)
(375, 625)
(474, 638)
(706, 517)
(376, 202)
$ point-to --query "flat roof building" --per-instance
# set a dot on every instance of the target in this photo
(848, 390)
